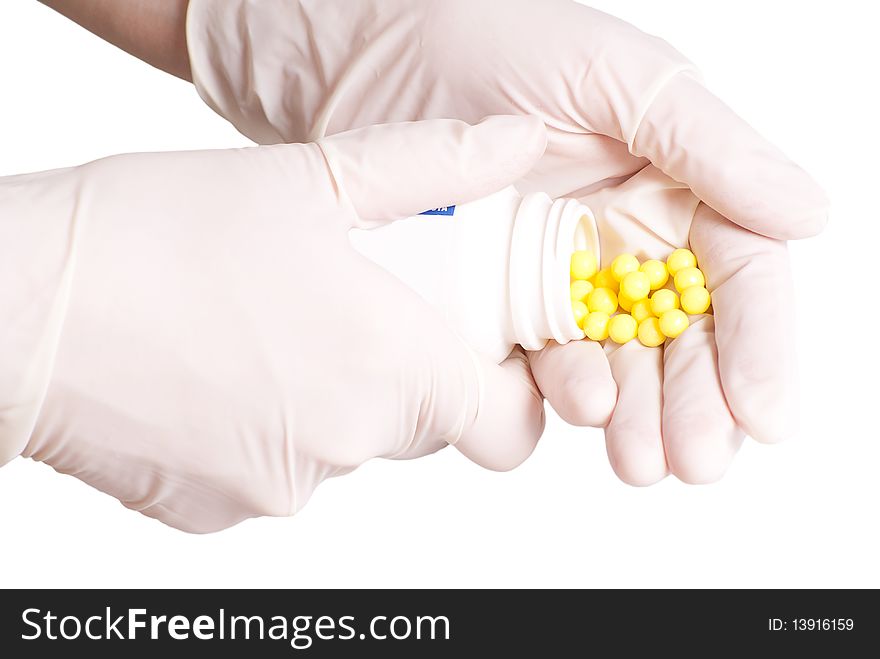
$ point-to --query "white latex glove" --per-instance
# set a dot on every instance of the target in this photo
(615, 100)
(671, 411)
(193, 333)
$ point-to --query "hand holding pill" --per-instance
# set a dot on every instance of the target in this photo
(640, 114)
(627, 109)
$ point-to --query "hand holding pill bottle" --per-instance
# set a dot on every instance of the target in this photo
(636, 137)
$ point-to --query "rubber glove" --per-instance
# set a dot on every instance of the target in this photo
(671, 411)
(615, 100)
(193, 333)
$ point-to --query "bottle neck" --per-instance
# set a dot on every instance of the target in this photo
(545, 234)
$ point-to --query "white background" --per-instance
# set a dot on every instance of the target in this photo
(799, 514)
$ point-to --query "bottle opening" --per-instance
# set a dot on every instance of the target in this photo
(577, 231)
(586, 234)
(546, 233)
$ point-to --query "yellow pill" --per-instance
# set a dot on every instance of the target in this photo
(622, 328)
(679, 259)
(649, 332)
(596, 325)
(602, 299)
(642, 310)
(635, 285)
(687, 277)
(657, 273)
(580, 289)
(624, 302)
(673, 323)
(662, 301)
(579, 309)
(695, 299)
(623, 265)
(583, 264)
(604, 279)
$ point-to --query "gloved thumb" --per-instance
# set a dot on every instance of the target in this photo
(392, 171)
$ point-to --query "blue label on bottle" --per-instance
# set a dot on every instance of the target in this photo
(443, 210)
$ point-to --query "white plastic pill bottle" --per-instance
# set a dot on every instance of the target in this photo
(497, 268)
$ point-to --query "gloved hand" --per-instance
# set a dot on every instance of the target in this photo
(671, 411)
(193, 333)
(615, 100)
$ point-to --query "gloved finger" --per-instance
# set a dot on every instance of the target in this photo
(699, 433)
(633, 437)
(392, 171)
(752, 297)
(510, 417)
(642, 91)
(576, 380)
(695, 138)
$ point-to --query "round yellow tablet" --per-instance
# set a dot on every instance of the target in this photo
(580, 289)
(687, 277)
(673, 323)
(604, 279)
(583, 264)
(695, 300)
(663, 300)
(649, 332)
(602, 299)
(680, 258)
(641, 310)
(635, 285)
(622, 328)
(624, 302)
(623, 265)
(596, 325)
(657, 273)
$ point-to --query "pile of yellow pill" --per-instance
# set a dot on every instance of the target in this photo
(650, 300)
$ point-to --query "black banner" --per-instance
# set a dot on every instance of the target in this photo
(318, 623)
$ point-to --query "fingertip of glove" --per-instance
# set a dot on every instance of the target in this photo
(805, 219)
(704, 461)
(766, 425)
(506, 431)
(638, 468)
(813, 223)
(770, 433)
(587, 401)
